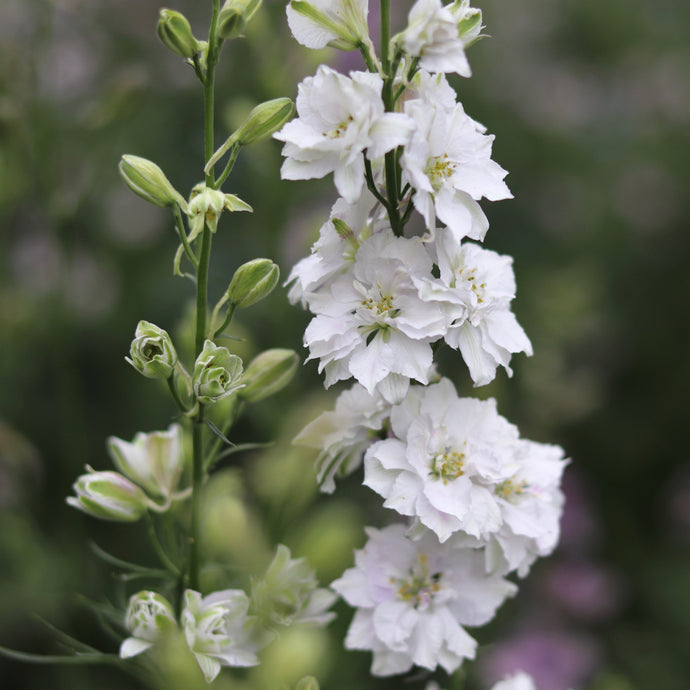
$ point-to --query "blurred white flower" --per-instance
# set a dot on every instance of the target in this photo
(519, 681)
(412, 599)
(218, 631)
(341, 119)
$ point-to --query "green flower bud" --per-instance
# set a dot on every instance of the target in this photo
(263, 120)
(148, 181)
(175, 33)
(152, 352)
(109, 496)
(216, 373)
(154, 461)
(234, 17)
(268, 373)
(252, 282)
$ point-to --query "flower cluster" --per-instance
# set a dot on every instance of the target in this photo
(398, 270)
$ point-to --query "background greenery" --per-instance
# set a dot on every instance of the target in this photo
(590, 104)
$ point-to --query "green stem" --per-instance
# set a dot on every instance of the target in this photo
(371, 183)
(228, 168)
(183, 238)
(158, 548)
(226, 321)
(197, 482)
(172, 385)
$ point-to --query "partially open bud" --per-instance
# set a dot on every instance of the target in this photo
(154, 461)
(149, 615)
(252, 282)
(263, 120)
(152, 352)
(176, 34)
(268, 373)
(109, 496)
(148, 181)
(234, 17)
(216, 373)
(340, 24)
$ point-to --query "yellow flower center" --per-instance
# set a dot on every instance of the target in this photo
(448, 466)
(421, 585)
(438, 170)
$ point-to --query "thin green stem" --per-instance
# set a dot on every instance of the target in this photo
(158, 548)
(228, 168)
(226, 320)
(183, 237)
(197, 482)
(371, 183)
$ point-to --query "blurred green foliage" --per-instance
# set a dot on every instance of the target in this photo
(590, 104)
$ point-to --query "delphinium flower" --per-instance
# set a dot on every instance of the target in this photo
(340, 119)
(372, 323)
(149, 615)
(477, 286)
(343, 434)
(413, 599)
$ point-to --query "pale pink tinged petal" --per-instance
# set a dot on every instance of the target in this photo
(353, 586)
(387, 663)
(452, 497)
(361, 633)
(426, 641)
(403, 495)
(391, 453)
(394, 622)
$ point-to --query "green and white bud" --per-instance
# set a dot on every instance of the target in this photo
(265, 119)
(234, 17)
(154, 461)
(149, 615)
(148, 181)
(216, 373)
(176, 34)
(268, 373)
(469, 21)
(343, 26)
(152, 352)
(108, 496)
(206, 205)
(252, 282)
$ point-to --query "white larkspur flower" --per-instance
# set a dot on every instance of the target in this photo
(320, 23)
(448, 163)
(372, 323)
(413, 599)
(149, 615)
(343, 434)
(334, 251)
(340, 118)
(435, 35)
(153, 460)
(445, 458)
(531, 504)
(518, 681)
(218, 631)
(477, 286)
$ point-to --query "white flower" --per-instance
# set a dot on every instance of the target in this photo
(518, 681)
(448, 162)
(441, 467)
(338, 23)
(531, 504)
(343, 434)
(477, 285)
(340, 119)
(412, 599)
(334, 251)
(154, 461)
(435, 35)
(218, 631)
(148, 616)
(372, 323)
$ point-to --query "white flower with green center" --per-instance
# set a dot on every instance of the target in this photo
(149, 615)
(371, 323)
(476, 286)
(437, 34)
(342, 435)
(413, 599)
(218, 631)
(341, 120)
(337, 23)
(443, 461)
(448, 163)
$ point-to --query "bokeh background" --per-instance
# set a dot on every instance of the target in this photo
(590, 104)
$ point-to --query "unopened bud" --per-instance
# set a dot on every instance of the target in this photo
(148, 181)
(252, 282)
(216, 373)
(149, 615)
(152, 352)
(234, 17)
(264, 119)
(268, 373)
(176, 34)
(109, 496)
